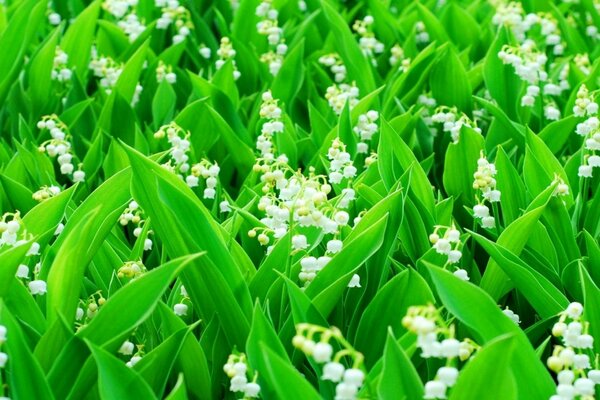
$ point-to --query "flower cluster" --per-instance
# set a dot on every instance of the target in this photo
(54, 18)
(165, 73)
(177, 15)
(3, 356)
(127, 19)
(269, 27)
(88, 309)
(340, 164)
(132, 26)
(291, 197)
(587, 107)
(270, 111)
(131, 270)
(209, 172)
(134, 214)
(107, 69)
(118, 8)
(429, 326)
(452, 122)
(60, 68)
(237, 370)
(178, 139)
(397, 58)
(446, 241)
(421, 34)
(365, 129)
(128, 348)
(429, 104)
(529, 65)
(512, 315)
(314, 341)
(60, 147)
(10, 225)
(571, 359)
(45, 192)
(485, 182)
(513, 16)
(227, 52)
(36, 286)
(178, 162)
(583, 63)
(180, 309)
(336, 66)
(369, 45)
(338, 95)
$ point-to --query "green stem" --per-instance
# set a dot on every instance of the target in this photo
(496, 218)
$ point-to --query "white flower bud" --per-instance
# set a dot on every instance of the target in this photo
(333, 371)
(454, 256)
(78, 176)
(565, 377)
(594, 375)
(447, 375)
(435, 390)
(354, 376)
(134, 360)
(22, 271)
(334, 246)
(584, 387)
(355, 281)
(322, 352)
(299, 242)
(224, 206)
(574, 310)
(251, 389)
(481, 211)
(180, 309)
(346, 390)
(127, 348)
(488, 222)
(3, 359)
(37, 287)
(461, 274)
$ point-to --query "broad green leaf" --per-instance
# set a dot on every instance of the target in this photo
(449, 82)
(83, 235)
(399, 379)
(513, 238)
(356, 63)
(473, 307)
(404, 290)
(25, 376)
(139, 297)
(283, 378)
(545, 298)
(115, 380)
(489, 375)
(78, 39)
(500, 79)
(461, 164)
(330, 283)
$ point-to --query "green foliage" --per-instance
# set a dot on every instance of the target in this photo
(313, 199)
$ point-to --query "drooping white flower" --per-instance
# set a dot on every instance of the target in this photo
(37, 287)
(322, 352)
(333, 371)
(126, 348)
(180, 309)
